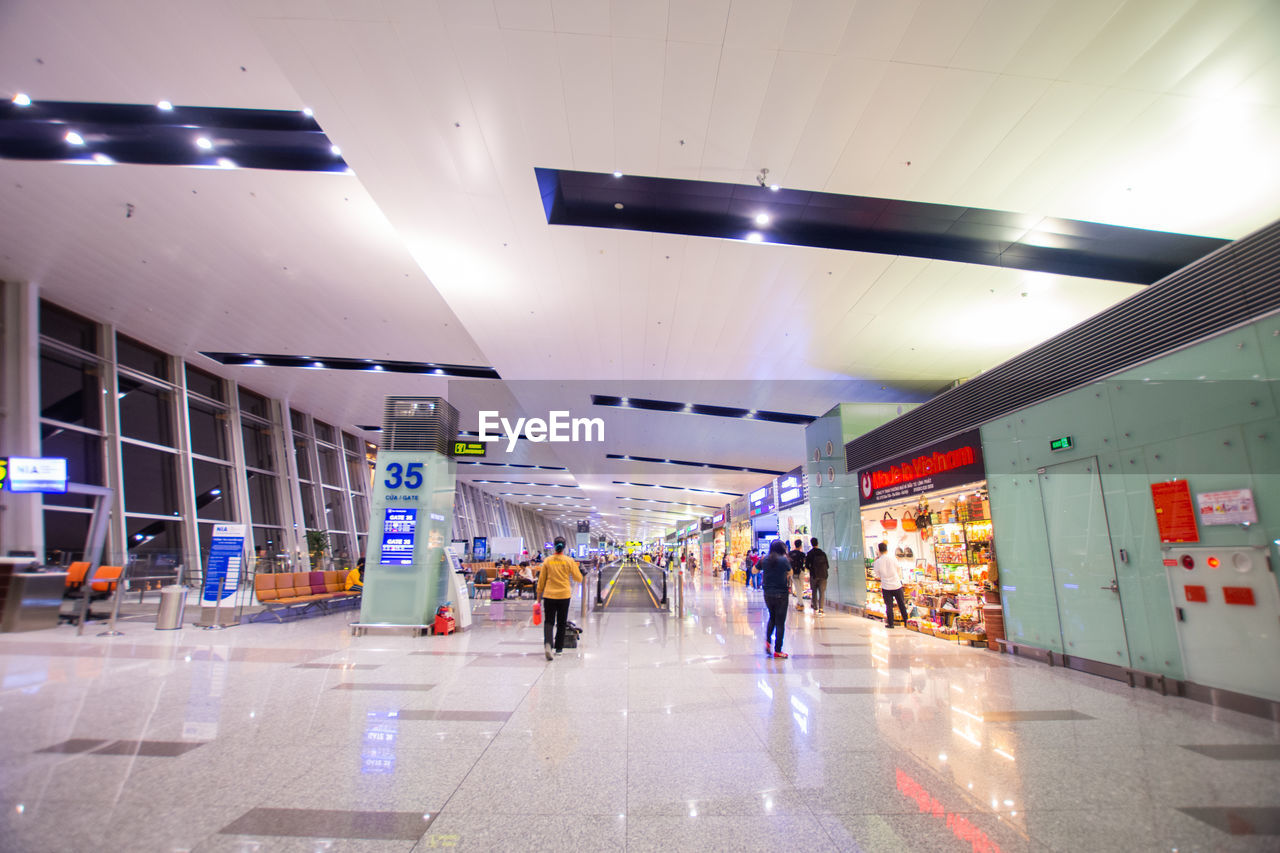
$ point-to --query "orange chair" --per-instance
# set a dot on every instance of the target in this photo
(75, 575)
(104, 581)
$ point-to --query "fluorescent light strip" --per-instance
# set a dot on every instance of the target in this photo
(701, 409)
(428, 368)
(677, 488)
(511, 465)
(712, 465)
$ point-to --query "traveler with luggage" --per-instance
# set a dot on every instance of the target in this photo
(555, 588)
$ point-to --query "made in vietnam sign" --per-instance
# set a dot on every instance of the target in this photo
(955, 461)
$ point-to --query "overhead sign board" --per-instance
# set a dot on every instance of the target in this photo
(468, 448)
(790, 488)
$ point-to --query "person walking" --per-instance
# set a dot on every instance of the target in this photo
(776, 572)
(816, 562)
(555, 588)
(890, 585)
(796, 556)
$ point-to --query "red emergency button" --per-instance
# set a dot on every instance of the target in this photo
(1213, 562)
(1188, 562)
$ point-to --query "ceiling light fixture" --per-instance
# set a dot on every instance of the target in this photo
(762, 219)
(617, 174)
(226, 163)
(99, 157)
(204, 143)
(755, 237)
(337, 152)
(74, 138)
(306, 111)
(22, 100)
(164, 105)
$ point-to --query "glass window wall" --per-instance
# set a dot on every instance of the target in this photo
(208, 430)
(139, 356)
(150, 480)
(206, 384)
(69, 390)
(215, 490)
(146, 412)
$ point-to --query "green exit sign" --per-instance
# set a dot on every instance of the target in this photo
(1063, 443)
(468, 448)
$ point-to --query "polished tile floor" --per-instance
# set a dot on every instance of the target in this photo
(657, 733)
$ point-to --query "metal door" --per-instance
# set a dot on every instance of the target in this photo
(1084, 571)
(1228, 612)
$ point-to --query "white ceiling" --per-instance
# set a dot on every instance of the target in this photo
(1160, 115)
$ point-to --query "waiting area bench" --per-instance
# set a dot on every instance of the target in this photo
(297, 592)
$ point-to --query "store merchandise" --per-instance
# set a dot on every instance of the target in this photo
(945, 556)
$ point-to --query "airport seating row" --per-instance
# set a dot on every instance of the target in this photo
(299, 592)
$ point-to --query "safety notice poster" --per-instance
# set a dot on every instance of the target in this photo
(1175, 516)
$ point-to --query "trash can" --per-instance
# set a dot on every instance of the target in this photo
(173, 600)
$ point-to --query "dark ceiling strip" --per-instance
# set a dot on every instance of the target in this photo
(712, 465)
(1223, 290)
(676, 488)
(367, 365)
(700, 409)
(866, 224)
(510, 465)
(287, 140)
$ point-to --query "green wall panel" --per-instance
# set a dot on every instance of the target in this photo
(1209, 414)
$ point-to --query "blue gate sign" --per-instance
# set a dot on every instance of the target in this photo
(226, 558)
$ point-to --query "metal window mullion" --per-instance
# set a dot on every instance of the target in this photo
(117, 546)
(239, 467)
(21, 516)
(186, 474)
(289, 484)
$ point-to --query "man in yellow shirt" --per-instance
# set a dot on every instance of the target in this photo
(555, 588)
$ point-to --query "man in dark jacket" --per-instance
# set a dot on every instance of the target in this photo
(816, 562)
(796, 556)
(776, 571)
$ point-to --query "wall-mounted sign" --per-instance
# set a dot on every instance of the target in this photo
(1175, 516)
(718, 519)
(1234, 506)
(22, 474)
(1063, 443)
(468, 448)
(759, 494)
(953, 462)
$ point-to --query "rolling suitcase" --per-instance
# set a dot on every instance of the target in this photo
(497, 590)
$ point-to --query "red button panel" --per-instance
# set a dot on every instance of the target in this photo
(1238, 595)
(1196, 593)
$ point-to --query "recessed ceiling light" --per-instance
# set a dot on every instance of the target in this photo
(258, 361)
(754, 237)
(617, 174)
(203, 142)
(617, 205)
(22, 99)
(337, 152)
(74, 138)
(226, 163)
(773, 187)
(164, 105)
(306, 111)
(102, 158)
(762, 219)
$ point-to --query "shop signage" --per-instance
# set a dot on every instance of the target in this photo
(790, 488)
(1063, 443)
(1234, 506)
(468, 448)
(1175, 517)
(717, 520)
(953, 462)
(705, 523)
(762, 501)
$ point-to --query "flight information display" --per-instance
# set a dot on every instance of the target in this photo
(399, 527)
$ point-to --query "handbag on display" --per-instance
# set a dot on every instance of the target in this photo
(908, 521)
(889, 522)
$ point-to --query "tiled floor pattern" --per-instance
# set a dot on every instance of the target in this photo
(657, 734)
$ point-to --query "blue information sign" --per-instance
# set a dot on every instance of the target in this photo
(226, 556)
